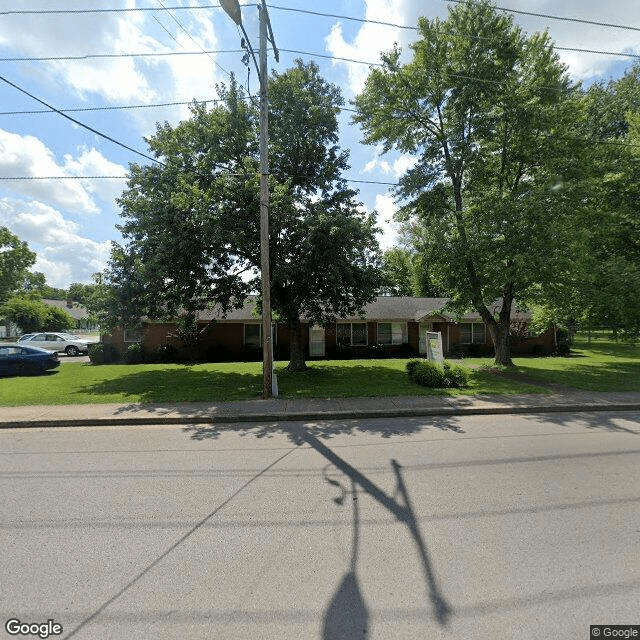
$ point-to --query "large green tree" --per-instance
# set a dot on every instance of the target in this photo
(15, 260)
(191, 224)
(406, 273)
(487, 110)
(603, 280)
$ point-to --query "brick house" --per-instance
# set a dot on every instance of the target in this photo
(390, 326)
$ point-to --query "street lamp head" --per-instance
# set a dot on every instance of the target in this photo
(232, 8)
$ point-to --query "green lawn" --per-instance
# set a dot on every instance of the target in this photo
(601, 366)
(85, 384)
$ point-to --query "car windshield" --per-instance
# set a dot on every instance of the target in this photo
(26, 336)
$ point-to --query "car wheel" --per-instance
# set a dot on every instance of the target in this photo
(72, 351)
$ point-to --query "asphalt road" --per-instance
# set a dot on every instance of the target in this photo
(474, 528)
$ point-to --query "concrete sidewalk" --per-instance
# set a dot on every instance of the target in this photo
(275, 410)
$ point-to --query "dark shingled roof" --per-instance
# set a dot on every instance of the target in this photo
(383, 308)
(77, 311)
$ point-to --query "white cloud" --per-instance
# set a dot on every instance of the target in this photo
(583, 36)
(371, 39)
(27, 156)
(126, 80)
(92, 163)
(64, 255)
(386, 208)
(396, 168)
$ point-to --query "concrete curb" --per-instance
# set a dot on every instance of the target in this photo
(303, 416)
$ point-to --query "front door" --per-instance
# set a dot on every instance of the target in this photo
(316, 341)
(424, 328)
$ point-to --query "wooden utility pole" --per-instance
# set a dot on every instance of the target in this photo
(232, 8)
(267, 343)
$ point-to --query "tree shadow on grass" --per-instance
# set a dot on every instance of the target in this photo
(185, 384)
(340, 380)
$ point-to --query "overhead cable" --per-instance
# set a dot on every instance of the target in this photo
(548, 16)
(81, 124)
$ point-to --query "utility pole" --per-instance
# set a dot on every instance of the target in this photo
(232, 8)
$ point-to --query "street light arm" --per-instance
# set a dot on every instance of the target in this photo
(232, 9)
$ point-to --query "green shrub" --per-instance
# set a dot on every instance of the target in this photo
(101, 353)
(412, 365)
(539, 350)
(455, 375)
(429, 374)
(134, 353)
(437, 376)
(377, 350)
(96, 353)
(166, 353)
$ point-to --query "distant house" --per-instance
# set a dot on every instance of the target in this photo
(78, 312)
(390, 326)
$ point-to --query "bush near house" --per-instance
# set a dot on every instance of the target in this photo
(134, 354)
(437, 376)
(100, 353)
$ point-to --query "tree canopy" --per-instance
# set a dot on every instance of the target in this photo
(15, 260)
(31, 314)
(488, 112)
(604, 275)
(191, 222)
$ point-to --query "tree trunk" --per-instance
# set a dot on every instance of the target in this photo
(499, 330)
(502, 346)
(296, 352)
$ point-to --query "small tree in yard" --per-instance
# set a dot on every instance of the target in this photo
(488, 202)
(33, 315)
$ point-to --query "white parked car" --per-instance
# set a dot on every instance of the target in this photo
(70, 344)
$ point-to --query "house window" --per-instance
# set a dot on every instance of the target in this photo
(253, 335)
(472, 333)
(352, 334)
(392, 332)
(133, 335)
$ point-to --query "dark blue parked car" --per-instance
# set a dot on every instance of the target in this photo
(16, 359)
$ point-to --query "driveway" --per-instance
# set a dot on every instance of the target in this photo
(65, 359)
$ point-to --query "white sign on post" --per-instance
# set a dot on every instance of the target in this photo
(434, 346)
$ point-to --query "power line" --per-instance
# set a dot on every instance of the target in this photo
(548, 16)
(81, 124)
(193, 39)
(121, 107)
(27, 178)
(553, 17)
(91, 56)
(160, 54)
(11, 178)
(112, 108)
(89, 11)
(342, 17)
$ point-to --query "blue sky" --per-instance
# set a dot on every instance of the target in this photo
(70, 222)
